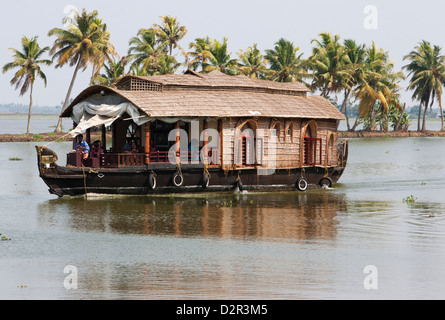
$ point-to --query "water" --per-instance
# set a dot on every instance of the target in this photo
(290, 245)
(40, 123)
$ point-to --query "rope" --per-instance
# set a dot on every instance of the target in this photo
(238, 176)
(325, 172)
(206, 171)
(57, 138)
(178, 169)
(84, 182)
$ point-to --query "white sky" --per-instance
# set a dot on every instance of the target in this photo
(401, 25)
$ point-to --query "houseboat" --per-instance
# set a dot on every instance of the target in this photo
(196, 132)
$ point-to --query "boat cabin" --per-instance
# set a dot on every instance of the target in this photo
(213, 119)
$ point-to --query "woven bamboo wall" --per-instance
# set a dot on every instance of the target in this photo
(288, 144)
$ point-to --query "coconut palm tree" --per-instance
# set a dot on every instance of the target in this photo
(170, 32)
(144, 51)
(354, 62)
(28, 63)
(378, 84)
(427, 70)
(166, 64)
(114, 71)
(252, 63)
(283, 60)
(200, 54)
(219, 58)
(328, 63)
(85, 40)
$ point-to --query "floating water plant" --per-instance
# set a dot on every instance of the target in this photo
(409, 199)
(3, 238)
(225, 204)
(15, 159)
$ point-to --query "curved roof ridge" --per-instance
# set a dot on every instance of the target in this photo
(216, 79)
(214, 103)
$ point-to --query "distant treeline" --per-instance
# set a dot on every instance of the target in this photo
(413, 111)
(21, 108)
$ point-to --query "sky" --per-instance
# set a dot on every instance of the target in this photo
(395, 26)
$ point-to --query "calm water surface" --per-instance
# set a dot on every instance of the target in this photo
(290, 245)
(40, 123)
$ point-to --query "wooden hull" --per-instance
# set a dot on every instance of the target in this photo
(158, 178)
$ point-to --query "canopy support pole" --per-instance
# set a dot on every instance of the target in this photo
(147, 142)
(104, 138)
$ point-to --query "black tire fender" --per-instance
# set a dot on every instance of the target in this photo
(325, 181)
(178, 179)
(152, 180)
(302, 184)
(239, 184)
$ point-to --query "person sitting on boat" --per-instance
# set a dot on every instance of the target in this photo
(82, 146)
(96, 149)
(134, 148)
(127, 147)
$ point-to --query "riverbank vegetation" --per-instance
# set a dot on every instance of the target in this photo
(360, 79)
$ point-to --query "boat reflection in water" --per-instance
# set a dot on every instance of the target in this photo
(285, 215)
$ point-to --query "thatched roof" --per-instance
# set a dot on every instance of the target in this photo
(216, 95)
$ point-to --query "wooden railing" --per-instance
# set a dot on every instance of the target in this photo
(123, 159)
(189, 157)
(138, 159)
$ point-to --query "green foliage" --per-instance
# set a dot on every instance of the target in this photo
(252, 64)
(285, 64)
(3, 238)
(379, 119)
(227, 203)
(218, 58)
(409, 199)
(426, 66)
(28, 62)
(359, 73)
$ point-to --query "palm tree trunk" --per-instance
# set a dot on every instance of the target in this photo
(396, 128)
(418, 119)
(441, 114)
(30, 108)
(372, 121)
(344, 107)
(355, 123)
(325, 91)
(424, 115)
(65, 104)
(424, 118)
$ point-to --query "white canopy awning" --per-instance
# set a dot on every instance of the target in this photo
(103, 110)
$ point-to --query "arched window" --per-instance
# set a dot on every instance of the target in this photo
(289, 133)
(311, 144)
(245, 150)
(276, 130)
